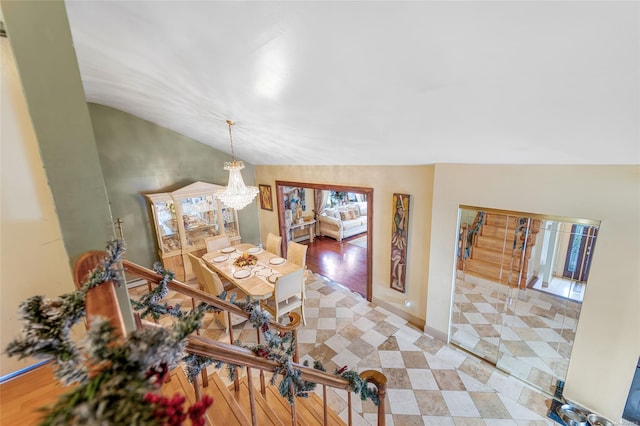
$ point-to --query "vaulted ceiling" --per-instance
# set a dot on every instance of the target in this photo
(374, 82)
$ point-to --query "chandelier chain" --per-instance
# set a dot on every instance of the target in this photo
(233, 154)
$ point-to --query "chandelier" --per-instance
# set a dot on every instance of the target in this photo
(236, 194)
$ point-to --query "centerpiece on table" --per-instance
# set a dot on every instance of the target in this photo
(245, 259)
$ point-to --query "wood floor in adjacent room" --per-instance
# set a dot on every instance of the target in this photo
(342, 262)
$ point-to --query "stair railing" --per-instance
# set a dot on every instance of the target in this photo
(244, 357)
(232, 354)
(469, 237)
(154, 278)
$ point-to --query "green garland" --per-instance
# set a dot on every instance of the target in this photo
(127, 373)
(120, 393)
(279, 347)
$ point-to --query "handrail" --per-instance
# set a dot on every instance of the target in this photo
(153, 277)
(243, 357)
(246, 358)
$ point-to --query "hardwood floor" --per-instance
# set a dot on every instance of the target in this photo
(23, 396)
(341, 262)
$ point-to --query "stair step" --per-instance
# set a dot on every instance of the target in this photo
(497, 280)
(225, 409)
(492, 270)
(265, 413)
(498, 257)
(498, 243)
(308, 410)
(502, 221)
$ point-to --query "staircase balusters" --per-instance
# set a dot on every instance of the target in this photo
(229, 353)
(252, 400)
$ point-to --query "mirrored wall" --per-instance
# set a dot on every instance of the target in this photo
(520, 282)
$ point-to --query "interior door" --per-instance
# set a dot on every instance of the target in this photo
(578, 259)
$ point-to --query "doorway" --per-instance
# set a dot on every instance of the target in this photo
(515, 305)
(312, 193)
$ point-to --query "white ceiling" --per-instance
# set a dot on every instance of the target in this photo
(374, 82)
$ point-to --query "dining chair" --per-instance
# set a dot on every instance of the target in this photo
(197, 269)
(213, 285)
(216, 243)
(288, 295)
(297, 253)
(274, 244)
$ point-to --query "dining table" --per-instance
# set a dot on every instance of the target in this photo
(258, 280)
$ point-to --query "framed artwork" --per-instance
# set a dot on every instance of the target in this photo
(294, 197)
(399, 239)
(266, 201)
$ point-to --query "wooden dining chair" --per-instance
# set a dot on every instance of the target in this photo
(287, 295)
(216, 243)
(274, 244)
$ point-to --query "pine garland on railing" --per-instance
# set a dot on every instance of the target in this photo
(279, 346)
(119, 393)
(356, 383)
(48, 322)
(124, 374)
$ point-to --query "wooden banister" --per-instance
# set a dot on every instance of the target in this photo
(243, 357)
(153, 277)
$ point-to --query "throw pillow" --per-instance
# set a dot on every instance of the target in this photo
(344, 215)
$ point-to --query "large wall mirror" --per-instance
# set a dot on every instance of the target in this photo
(520, 282)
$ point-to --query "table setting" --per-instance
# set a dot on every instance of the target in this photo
(250, 268)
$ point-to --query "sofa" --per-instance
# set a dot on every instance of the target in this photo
(343, 221)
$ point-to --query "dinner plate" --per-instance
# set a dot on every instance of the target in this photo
(254, 250)
(264, 272)
(242, 273)
(277, 261)
(228, 250)
(273, 278)
(222, 258)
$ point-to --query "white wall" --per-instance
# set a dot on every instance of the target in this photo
(607, 343)
(33, 259)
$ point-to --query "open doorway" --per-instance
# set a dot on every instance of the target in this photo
(300, 207)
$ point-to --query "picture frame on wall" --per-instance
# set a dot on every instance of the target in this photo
(266, 200)
(399, 241)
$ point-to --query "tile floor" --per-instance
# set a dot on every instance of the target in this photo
(429, 382)
(532, 337)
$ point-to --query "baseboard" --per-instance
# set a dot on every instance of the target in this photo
(412, 319)
(136, 283)
(436, 334)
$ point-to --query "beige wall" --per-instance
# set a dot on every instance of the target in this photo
(33, 259)
(607, 341)
(385, 180)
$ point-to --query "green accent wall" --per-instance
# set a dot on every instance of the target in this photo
(41, 40)
(140, 157)
(46, 60)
